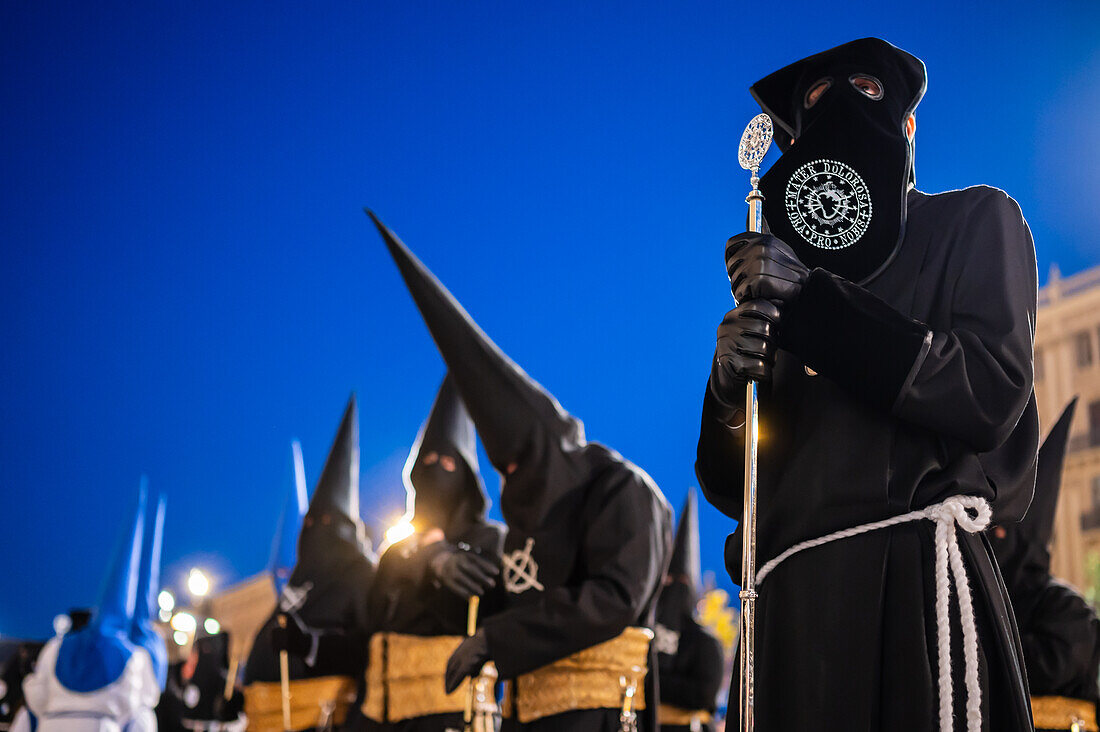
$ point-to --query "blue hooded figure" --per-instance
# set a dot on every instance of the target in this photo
(99, 679)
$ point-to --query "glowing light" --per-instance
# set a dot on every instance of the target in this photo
(180, 638)
(184, 623)
(399, 531)
(211, 626)
(165, 616)
(166, 600)
(198, 584)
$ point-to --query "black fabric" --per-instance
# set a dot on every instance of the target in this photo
(692, 676)
(684, 565)
(405, 598)
(206, 702)
(1061, 644)
(781, 94)
(16, 668)
(440, 497)
(837, 196)
(1023, 549)
(337, 490)
(428, 723)
(332, 605)
(846, 333)
(527, 435)
(589, 720)
(833, 457)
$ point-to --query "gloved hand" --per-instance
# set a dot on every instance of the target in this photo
(467, 660)
(294, 638)
(762, 267)
(463, 572)
(746, 349)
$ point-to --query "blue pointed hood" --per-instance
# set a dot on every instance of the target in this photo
(143, 632)
(94, 657)
(284, 547)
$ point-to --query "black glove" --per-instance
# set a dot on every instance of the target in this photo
(463, 572)
(294, 638)
(467, 660)
(762, 267)
(746, 349)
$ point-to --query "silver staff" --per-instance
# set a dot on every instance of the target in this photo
(755, 142)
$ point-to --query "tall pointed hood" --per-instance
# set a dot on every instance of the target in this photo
(119, 594)
(94, 657)
(521, 425)
(1023, 550)
(337, 490)
(434, 491)
(684, 566)
(143, 632)
(284, 546)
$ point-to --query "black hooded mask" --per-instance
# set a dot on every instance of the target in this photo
(332, 527)
(538, 448)
(1023, 549)
(683, 581)
(448, 499)
(838, 193)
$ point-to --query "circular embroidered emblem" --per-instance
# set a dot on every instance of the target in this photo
(828, 204)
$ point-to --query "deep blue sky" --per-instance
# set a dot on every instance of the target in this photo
(188, 281)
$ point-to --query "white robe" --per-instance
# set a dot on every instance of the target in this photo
(124, 705)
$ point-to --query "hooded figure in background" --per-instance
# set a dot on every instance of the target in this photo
(690, 661)
(321, 619)
(99, 678)
(201, 688)
(890, 332)
(15, 668)
(1059, 630)
(588, 538)
(420, 597)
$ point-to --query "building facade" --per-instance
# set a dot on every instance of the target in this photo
(1067, 364)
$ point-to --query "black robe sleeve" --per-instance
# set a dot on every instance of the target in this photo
(970, 382)
(622, 560)
(1062, 645)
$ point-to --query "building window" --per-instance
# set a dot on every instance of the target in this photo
(1082, 344)
(1038, 364)
(1096, 493)
(1094, 424)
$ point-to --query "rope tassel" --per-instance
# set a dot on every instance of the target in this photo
(971, 514)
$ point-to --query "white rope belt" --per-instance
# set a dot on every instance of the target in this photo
(953, 511)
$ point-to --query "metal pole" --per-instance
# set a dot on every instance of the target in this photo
(754, 144)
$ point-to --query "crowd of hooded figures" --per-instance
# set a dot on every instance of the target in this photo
(905, 507)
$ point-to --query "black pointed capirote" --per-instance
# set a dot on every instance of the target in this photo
(684, 566)
(521, 425)
(448, 430)
(337, 490)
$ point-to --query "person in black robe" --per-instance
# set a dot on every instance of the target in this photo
(1059, 630)
(419, 601)
(890, 332)
(199, 687)
(14, 669)
(588, 538)
(690, 661)
(323, 606)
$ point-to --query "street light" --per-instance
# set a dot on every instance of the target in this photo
(184, 622)
(198, 584)
(211, 626)
(166, 600)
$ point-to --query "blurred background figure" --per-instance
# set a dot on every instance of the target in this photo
(108, 675)
(1059, 630)
(690, 660)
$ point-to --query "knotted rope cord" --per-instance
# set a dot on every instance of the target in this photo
(953, 511)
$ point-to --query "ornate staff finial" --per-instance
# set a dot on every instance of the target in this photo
(755, 141)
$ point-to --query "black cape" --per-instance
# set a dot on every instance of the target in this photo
(895, 421)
